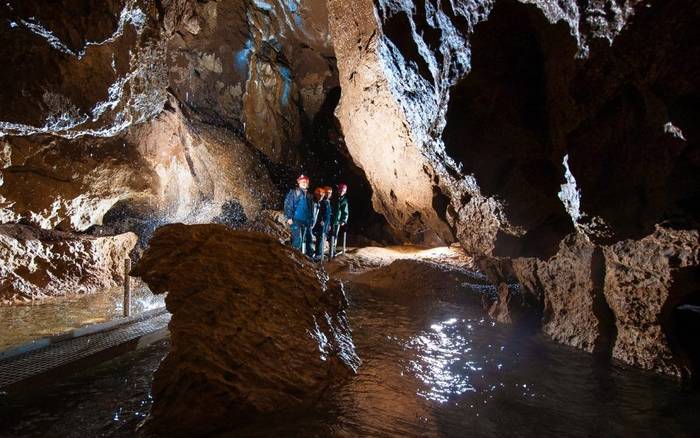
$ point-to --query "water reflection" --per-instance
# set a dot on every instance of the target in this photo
(428, 370)
(439, 354)
(449, 363)
(25, 322)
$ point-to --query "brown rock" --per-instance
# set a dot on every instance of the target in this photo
(37, 264)
(640, 289)
(575, 312)
(263, 68)
(256, 329)
(377, 131)
(272, 223)
(167, 170)
(437, 281)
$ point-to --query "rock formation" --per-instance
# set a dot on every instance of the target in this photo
(429, 78)
(644, 287)
(438, 282)
(98, 134)
(35, 263)
(537, 134)
(550, 139)
(256, 329)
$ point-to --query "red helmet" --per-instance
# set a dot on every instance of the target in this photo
(342, 186)
(302, 177)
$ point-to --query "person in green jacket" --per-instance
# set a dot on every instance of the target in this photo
(341, 212)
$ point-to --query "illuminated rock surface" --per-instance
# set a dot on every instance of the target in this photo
(547, 138)
(35, 264)
(645, 282)
(256, 329)
(539, 135)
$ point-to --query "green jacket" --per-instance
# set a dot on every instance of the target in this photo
(341, 212)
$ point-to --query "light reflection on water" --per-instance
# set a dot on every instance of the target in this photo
(447, 365)
(433, 370)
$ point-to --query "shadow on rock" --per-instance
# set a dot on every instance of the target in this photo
(256, 329)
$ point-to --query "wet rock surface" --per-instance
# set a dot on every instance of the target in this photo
(437, 281)
(263, 68)
(619, 301)
(572, 286)
(256, 329)
(548, 138)
(36, 264)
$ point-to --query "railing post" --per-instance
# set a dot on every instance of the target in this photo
(323, 246)
(332, 256)
(127, 287)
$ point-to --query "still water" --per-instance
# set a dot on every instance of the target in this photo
(429, 369)
(25, 322)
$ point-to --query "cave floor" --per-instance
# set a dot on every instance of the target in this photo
(430, 368)
(360, 260)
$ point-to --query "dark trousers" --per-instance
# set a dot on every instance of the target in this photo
(301, 235)
(334, 237)
(336, 231)
(321, 233)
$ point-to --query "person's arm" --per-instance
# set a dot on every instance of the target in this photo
(345, 214)
(289, 206)
(330, 213)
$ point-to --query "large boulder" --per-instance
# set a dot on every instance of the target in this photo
(37, 264)
(256, 329)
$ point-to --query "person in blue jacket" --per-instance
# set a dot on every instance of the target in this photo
(299, 211)
(323, 220)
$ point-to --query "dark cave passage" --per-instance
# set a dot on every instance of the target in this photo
(500, 125)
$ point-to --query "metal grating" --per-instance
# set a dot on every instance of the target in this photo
(33, 363)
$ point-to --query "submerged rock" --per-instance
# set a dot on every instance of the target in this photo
(37, 264)
(256, 329)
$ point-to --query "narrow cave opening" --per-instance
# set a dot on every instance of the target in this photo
(500, 121)
(327, 160)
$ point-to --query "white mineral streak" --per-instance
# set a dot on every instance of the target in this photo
(133, 98)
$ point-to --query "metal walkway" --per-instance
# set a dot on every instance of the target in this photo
(40, 357)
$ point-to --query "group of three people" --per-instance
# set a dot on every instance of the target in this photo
(313, 215)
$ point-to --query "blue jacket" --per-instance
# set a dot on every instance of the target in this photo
(322, 213)
(298, 206)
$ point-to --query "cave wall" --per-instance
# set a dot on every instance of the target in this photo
(262, 68)
(377, 131)
(124, 115)
(557, 139)
(163, 109)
